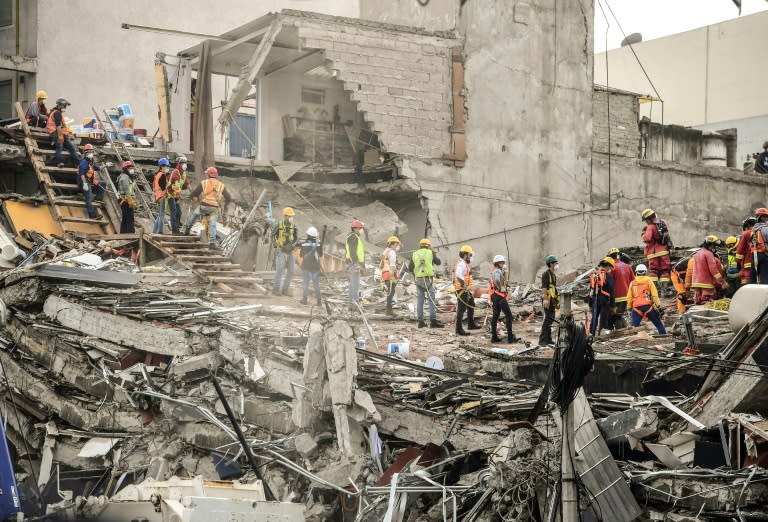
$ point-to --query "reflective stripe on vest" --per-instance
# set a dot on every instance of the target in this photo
(386, 268)
(493, 289)
(285, 234)
(360, 251)
(156, 190)
(91, 176)
(212, 192)
(757, 241)
(51, 125)
(641, 294)
(597, 283)
(457, 283)
(422, 263)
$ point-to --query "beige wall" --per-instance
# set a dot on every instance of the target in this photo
(707, 75)
(437, 15)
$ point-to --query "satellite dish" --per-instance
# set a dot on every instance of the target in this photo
(632, 39)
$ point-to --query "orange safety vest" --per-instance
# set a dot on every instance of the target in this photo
(51, 125)
(641, 296)
(386, 269)
(758, 241)
(597, 284)
(493, 290)
(213, 190)
(457, 283)
(91, 176)
(159, 192)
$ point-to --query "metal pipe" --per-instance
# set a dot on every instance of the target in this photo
(248, 451)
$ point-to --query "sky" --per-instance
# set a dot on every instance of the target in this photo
(657, 18)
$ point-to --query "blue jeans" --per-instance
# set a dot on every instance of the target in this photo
(354, 284)
(284, 261)
(421, 295)
(213, 216)
(315, 278)
(161, 206)
(70, 147)
(636, 318)
(94, 192)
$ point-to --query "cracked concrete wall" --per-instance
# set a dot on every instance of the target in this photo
(528, 78)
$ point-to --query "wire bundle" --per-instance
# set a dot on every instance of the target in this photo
(572, 365)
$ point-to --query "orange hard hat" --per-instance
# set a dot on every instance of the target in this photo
(212, 172)
(88, 147)
(356, 223)
(762, 211)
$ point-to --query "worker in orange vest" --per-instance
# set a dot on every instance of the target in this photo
(657, 244)
(707, 275)
(160, 184)
(643, 299)
(59, 132)
(389, 269)
(213, 197)
(679, 273)
(622, 276)
(757, 248)
(601, 297)
(499, 292)
(462, 283)
(743, 252)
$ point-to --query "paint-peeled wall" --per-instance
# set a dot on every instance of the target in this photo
(528, 85)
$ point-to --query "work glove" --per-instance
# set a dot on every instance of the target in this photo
(86, 186)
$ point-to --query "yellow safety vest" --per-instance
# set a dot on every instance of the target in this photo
(360, 251)
(422, 263)
(213, 190)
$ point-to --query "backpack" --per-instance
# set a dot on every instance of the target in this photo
(664, 233)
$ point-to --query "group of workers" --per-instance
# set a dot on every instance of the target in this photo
(38, 115)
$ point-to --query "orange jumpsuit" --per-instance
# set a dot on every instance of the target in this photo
(659, 262)
(707, 276)
(744, 255)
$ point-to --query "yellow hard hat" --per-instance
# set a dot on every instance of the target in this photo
(712, 239)
(42, 95)
(425, 242)
(612, 251)
(648, 212)
(609, 260)
(731, 241)
(393, 239)
(288, 212)
(466, 249)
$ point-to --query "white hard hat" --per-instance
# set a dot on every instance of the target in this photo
(641, 269)
(498, 258)
(312, 232)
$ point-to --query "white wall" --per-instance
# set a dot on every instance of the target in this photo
(87, 58)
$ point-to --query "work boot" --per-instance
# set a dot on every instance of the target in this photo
(275, 291)
(461, 332)
(389, 311)
(495, 339)
(303, 300)
(434, 323)
(319, 303)
(422, 324)
(472, 325)
(212, 246)
(512, 338)
(285, 291)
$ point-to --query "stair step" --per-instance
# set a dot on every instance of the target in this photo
(45, 152)
(228, 273)
(216, 266)
(64, 186)
(48, 168)
(95, 221)
(169, 239)
(212, 257)
(239, 280)
(75, 203)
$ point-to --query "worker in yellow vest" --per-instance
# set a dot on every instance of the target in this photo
(284, 240)
(354, 255)
(213, 195)
(422, 266)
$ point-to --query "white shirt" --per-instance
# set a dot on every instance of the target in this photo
(462, 268)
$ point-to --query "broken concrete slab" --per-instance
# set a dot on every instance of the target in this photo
(305, 444)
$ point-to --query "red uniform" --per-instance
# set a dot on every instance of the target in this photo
(622, 276)
(707, 276)
(744, 255)
(659, 263)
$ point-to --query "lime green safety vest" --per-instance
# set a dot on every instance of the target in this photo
(422, 263)
(360, 251)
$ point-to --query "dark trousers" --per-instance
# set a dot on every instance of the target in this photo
(176, 215)
(618, 319)
(500, 304)
(601, 316)
(545, 337)
(390, 287)
(465, 302)
(126, 223)
(760, 273)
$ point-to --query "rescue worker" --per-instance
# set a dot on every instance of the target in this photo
(311, 252)
(212, 194)
(707, 272)
(757, 248)
(679, 273)
(551, 300)
(126, 188)
(743, 253)
(354, 255)
(657, 243)
(499, 292)
(422, 266)
(179, 183)
(643, 299)
(389, 269)
(37, 112)
(57, 129)
(462, 282)
(732, 274)
(160, 192)
(601, 297)
(622, 276)
(284, 239)
(761, 161)
(88, 180)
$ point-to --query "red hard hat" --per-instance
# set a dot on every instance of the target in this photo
(212, 172)
(87, 147)
(357, 223)
(761, 211)
(127, 164)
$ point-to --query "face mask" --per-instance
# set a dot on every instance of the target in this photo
(290, 220)
(89, 155)
(131, 172)
(556, 268)
(165, 170)
(397, 248)
(183, 166)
